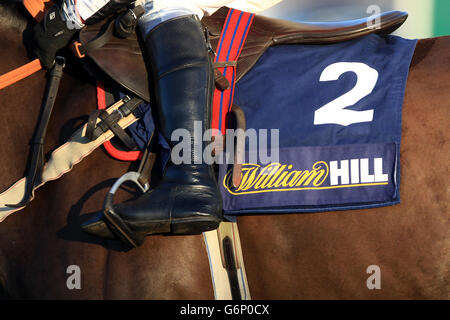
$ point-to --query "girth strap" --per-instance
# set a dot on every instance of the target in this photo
(109, 147)
(99, 41)
(109, 122)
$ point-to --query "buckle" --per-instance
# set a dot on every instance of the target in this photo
(119, 112)
(75, 46)
(208, 43)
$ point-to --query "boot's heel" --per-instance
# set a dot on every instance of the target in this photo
(194, 226)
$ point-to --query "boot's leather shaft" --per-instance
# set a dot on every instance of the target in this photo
(187, 200)
(183, 71)
(176, 44)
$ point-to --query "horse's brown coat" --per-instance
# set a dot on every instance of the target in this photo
(286, 256)
(38, 243)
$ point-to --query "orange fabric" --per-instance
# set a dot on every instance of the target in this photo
(37, 7)
(20, 73)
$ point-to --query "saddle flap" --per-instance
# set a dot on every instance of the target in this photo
(121, 59)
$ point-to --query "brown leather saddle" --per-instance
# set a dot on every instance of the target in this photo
(121, 59)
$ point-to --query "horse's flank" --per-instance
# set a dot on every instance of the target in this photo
(38, 244)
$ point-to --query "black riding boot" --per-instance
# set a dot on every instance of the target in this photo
(187, 200)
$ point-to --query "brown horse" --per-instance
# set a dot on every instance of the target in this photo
(296, 256)
(39, 243)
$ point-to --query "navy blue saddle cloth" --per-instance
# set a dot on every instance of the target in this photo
(333, 112)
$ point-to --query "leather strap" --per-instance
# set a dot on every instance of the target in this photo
(221, 82)
(109, 122)
(117, 130)
(109, 147)
(224, 64)
(91, 124)
(232, 39)
(148, 160)
(36, 161)
(98, 42)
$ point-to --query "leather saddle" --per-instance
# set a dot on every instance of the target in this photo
(121, 59)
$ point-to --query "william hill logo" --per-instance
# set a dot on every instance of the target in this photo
(277, 177)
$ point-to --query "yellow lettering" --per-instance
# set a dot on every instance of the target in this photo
(319, 166)
(277, 176)
(280, 169)
(286, 182)
(248, 179)
(294, 179)
(302, 177)
(279, 180)
(266, 174)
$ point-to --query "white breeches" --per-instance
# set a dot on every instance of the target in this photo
(157, 11)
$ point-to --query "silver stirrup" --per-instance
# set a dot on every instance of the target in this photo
(129, 176)
(108, 208)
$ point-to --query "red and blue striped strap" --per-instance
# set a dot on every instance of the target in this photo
(232, 39)
(234, 33)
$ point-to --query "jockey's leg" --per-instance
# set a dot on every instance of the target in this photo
(187, 201)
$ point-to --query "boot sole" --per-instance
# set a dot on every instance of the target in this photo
(186, 226)
(193, 226)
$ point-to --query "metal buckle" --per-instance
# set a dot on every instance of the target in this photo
(75, 46)
(208, 43)
(120, 112)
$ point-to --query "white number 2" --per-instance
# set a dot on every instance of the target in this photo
(335, 112)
